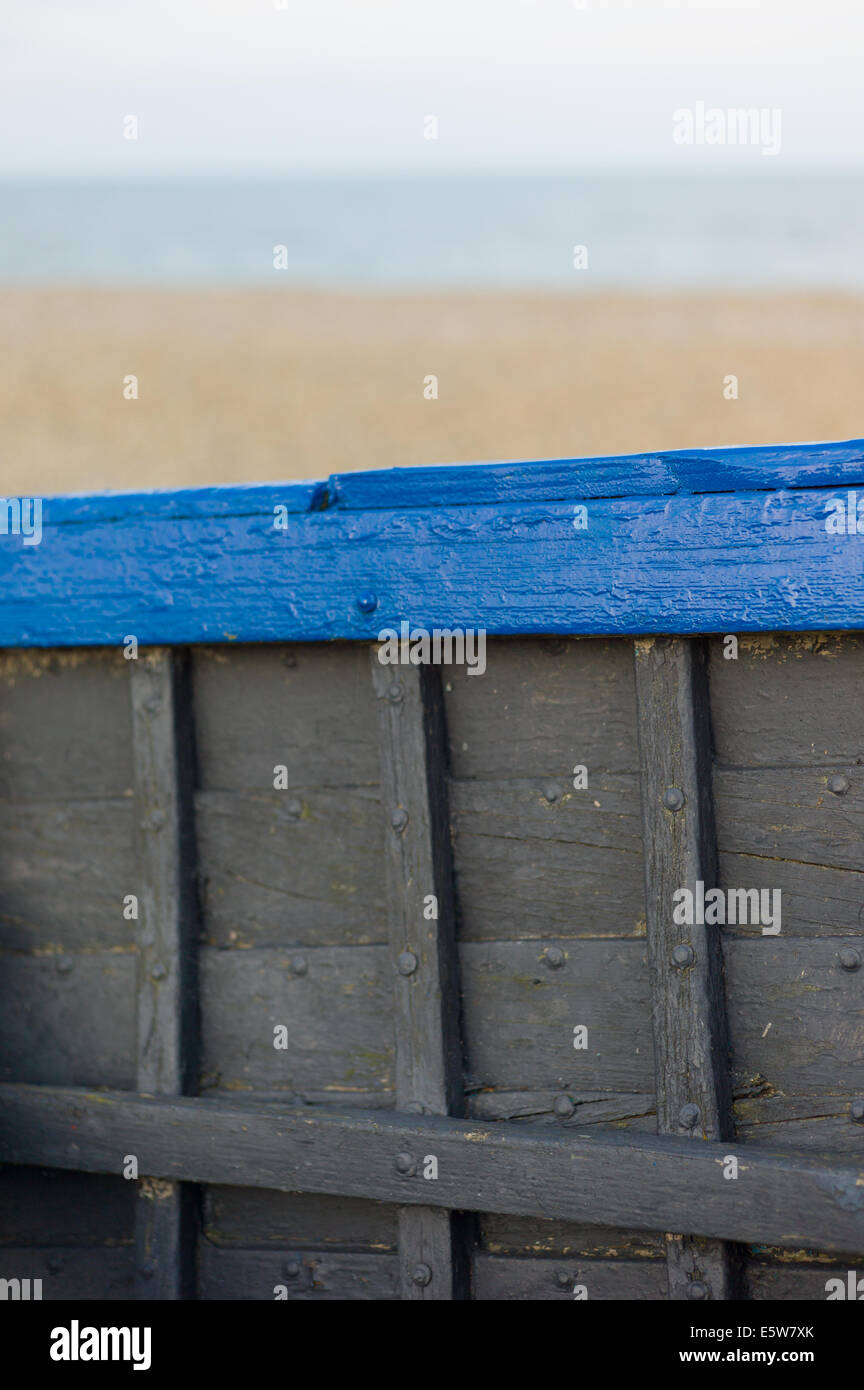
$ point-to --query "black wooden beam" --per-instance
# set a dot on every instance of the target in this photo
(432, 1254)
(165, 983)
(635, 1181)
(691, 1051)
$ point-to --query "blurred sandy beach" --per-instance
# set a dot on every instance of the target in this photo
(247, 384)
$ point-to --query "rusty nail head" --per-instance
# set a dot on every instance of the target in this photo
(689, 1115)
(683, 955)
(554, 957)
(838, 784)
(697, 1289)
(563, 1107)
(404, 1163)
(849, 958)
(673, 798)
(422, 1275)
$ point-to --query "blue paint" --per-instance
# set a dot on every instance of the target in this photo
(677, 549)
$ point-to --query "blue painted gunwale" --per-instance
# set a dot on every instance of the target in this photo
(689, 541)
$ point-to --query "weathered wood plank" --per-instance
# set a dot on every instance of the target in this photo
(510, 1279)
(249, 1218)
(50, 1030)
(790, 700)
(538, 858)
(300, 867)
(60, 711)
(815, 901)
(47, 1207)
(166, 978)
(690, 1033)
(523, 1000)
(812, 815)
(422, 949)
(796, 1015)
(65, 867)
(541, 707)
(74, 1273)
(516, 1235)
(306, 708)
(296, 1276)
(538, 1107)
(600, 1177)
(335, 1002)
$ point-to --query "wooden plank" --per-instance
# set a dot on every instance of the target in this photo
(307, 708)
(510, 568)
(789, 700)
(515, 1235)
(539, 858)
(57, 853)
(51, 1032)
(596, 1176)
(166, 981)
(589, 1107)
(422, 949)
(816, 901)
(247, 1218)
(689, 1014)
(321, 887)
(521, 1006)
(796, 1016)
(297, 1276)
(540, 707)
(335, 1001)
(47, 1207)
(74, 1273)
(508, 1278)
(809, 815)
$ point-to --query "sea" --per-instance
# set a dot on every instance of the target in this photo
(642, 231)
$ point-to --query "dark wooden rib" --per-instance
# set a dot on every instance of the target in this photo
(633, 1181)
(689, 1012)
(166, 985)
(422, 951)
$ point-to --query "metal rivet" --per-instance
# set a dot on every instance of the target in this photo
(396, 692)
(563, 1279)
(367, 602)
(407, 963)
(64, 964)
(849, 958)
(551, 792)
(148, 1269)
(554, 957)
(563, 1107)
(156, 820)
(856, 1110)
(697, 1289)
(405, 1163)
(399, 819)
(683, 955)
(291, 1269)
(294, 809)
(838, 784)
(299, 965)
(158, 972)
(689, 1116)
(673, 798)
(422, 1275)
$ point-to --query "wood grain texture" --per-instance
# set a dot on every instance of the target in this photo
(166, 963)
(73, 1273)
(691, 1045)
(511, 1279)
(249, 1218)
(422, 949)
(644, 1182)
(511, 568)
(296, 1276)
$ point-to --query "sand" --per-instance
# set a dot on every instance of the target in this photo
(254, 385)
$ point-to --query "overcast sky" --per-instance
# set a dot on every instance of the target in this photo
(334, 86)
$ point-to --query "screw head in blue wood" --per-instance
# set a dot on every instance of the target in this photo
(367, 602)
